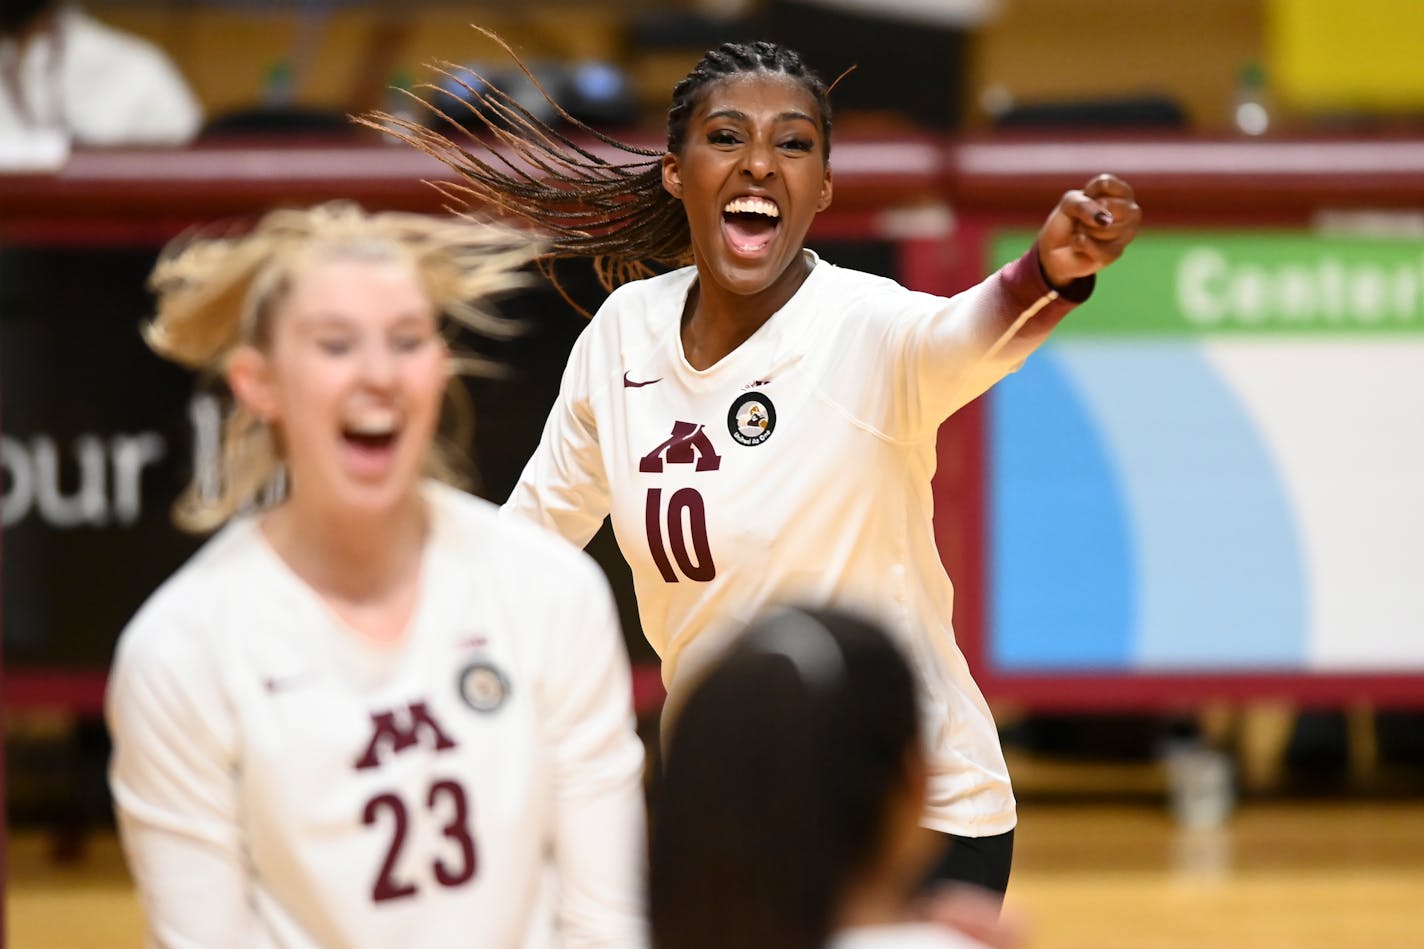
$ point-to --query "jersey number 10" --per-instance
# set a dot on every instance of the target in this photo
(686, 520)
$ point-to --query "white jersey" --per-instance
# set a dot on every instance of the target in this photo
(903, 936)
(280, 781)
(796, 469)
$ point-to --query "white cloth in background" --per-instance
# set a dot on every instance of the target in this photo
(96, 84)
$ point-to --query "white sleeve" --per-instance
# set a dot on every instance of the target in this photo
(564, 486)
(175, 789)
(947, 352)
(600, 822)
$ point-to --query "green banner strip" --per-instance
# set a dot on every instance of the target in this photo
(1249, 283)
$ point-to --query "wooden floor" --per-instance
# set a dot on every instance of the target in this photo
(1280, 876)
(1328, 875)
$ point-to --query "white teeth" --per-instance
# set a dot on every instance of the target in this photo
(752, 205)
(372, 423)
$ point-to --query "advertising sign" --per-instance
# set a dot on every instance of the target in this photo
(1215, 464)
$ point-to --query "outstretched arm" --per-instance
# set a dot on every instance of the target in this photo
(951, 351)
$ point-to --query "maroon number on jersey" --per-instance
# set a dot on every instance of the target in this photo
(684, 501)
(457, 829)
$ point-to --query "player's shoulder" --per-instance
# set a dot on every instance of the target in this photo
(835, 278)
(508, 545)
(175, 624)
(857, 294)
(658, 289)
(644, 305)
(633, 323)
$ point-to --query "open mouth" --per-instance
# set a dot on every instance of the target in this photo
(370, 440)
(750, 223)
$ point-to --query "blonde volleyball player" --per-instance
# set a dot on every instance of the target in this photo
(761, 423)
(372, 713)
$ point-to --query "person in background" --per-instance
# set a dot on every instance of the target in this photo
(760, 423)
(370, 713)
(62, 70)
(788, 814)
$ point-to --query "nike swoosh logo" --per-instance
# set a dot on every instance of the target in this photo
(275, 684)
(630, 384)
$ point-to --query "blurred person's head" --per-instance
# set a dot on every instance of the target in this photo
(794, 775)
(329, 326)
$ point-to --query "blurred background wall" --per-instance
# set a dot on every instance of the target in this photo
(1320, 60)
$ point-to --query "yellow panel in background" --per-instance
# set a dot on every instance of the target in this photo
(1346, 55)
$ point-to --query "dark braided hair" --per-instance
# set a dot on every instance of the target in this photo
(587, 202)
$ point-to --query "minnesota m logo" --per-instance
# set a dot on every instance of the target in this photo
(687, 444)
(399, 729)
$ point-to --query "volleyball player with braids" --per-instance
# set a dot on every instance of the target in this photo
(760, 423)
(372, 713)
